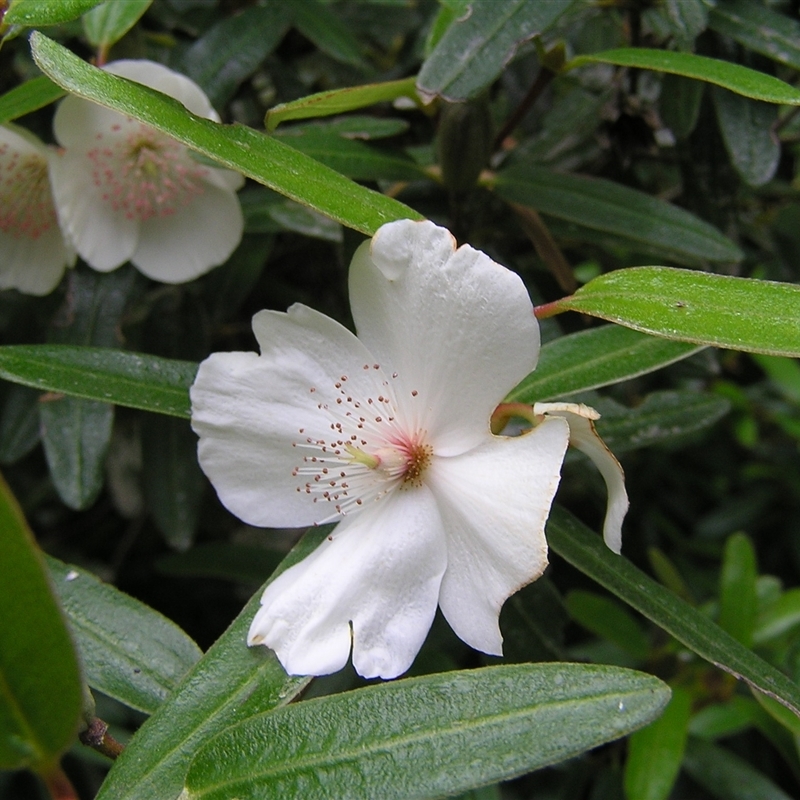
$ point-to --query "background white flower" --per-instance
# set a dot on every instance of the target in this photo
(126, 192)
(388, 432)
(33, 251)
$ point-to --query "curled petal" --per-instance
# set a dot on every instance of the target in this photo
(457, 327)
(494, 502)
(583, 436)
(376, 576)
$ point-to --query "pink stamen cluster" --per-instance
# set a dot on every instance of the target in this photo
(367, 454)
(143, 173)
(26, 205)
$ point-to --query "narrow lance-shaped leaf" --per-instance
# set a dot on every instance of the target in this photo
(129, 651)
(594, 358)
(585, 550)
(607, 206)
(230, 683)
(425, 737)
(34, 13)
(339, 101)
(739, 79)
(475, 49)
(234, 146)
(655, 752)
(40, 688)
(111, 20)
(737, 313)
(151, 383)
(758, 28)
(738, 602)
(27, 97)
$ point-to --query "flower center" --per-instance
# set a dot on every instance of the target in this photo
(367, 453)
(144, 174)
(26, 204)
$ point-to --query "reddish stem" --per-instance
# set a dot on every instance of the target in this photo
(547, 310)
(59, 785)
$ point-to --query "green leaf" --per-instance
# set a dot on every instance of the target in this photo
(737, 589)
(784, 373)
(475, 49)
(608, 619)
(76, 434)
(585, 550)
(727, 776)
(606, 206)
(339, 101)
(746, 127)
(679, 104)
(739, 79)
(235, 146)
(759, 28)
(109, 22)
(40, 686)
(19, 424)
(129, 651)
(655, 753)
(99, 373)
(326, 30)
(357, 160)
(33, 13)
(778, 618)
(425, 737)
(234, 48)
(230, 683)
(27, 97)
(661, 417)
(594, 358)
(737, 313)
(173, 481)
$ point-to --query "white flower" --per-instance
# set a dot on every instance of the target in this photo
(388, 433)
(126, 192)
(33, 252)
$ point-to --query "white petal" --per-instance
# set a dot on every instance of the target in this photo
(494, 503)
(248, 411)
(380, 572)
(457, 327)
(33, 266)
(197, 237)
(163, 79)
(77, 122)
(583, 436)
(104, 238)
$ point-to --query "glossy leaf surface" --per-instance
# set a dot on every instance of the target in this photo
(234, 146)
(99, 373)
(476, 47)
(426, 737)
(585, 550)
(27, 97)
(110, 21)
(735, 77)
(230, 683)
(129, 651)
(32, 13)
(40, 694)
(339, 101)
(737, 313)
(655, 753)
(609, 207)
(594, 358)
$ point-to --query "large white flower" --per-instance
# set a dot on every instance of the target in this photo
(390, 434)
(33, 252)
(126, 192)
